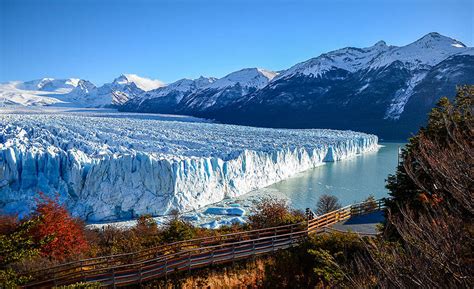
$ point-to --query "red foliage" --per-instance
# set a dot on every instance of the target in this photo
(8, 224)
(66, 234)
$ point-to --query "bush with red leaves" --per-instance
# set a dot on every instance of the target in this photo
(66, 234)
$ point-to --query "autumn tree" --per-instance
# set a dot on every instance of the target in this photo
(67, 237)
(147, 230)
(271, 212)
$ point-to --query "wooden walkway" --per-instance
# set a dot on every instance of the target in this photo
(159, 262)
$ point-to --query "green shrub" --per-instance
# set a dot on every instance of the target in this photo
(324, 260)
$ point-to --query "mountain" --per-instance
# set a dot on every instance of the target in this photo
(50, 84)
(202, 94)
(39, 92)
(166, 99)
(226, 90)
(117, 92)
(382, 89)
(120, 90)
(75, 92)
(143, 83)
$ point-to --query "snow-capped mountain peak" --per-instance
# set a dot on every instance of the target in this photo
(83, 87)
(203, 81)
(182, 85)
(50, 84)
(348, 58)
(436, 40)
(246, 78)
(143, 83)
(427, 51)
(380, 43)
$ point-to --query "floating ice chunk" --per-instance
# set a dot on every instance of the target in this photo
(194, 218)
(226, 222)
(211, 225)
(237, 221)
(231, 211)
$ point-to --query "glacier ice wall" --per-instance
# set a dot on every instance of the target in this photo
(120, 166)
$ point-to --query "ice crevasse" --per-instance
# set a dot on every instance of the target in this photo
(108, 168)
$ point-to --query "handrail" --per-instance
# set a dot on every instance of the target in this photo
(194, 252)
(165, 247)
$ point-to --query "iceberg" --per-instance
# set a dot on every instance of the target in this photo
(216, 224)
(231, 211)
(115, 166)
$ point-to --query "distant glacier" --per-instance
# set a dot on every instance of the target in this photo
(110, 166)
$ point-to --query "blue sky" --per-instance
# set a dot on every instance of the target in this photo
(168, 40)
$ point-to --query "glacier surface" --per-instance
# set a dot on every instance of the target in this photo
(117, 166)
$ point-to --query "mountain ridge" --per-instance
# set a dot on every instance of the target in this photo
(368, 88)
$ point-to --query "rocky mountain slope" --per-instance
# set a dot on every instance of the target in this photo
(386, 90)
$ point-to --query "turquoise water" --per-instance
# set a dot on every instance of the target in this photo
(350, 180)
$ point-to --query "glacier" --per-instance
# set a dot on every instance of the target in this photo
(112, 166)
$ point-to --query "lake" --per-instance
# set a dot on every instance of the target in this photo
(350, 180)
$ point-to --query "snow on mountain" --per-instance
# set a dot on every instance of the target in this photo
(10, 94)
(166, 99)
(402, 96)
(227, 89)
(122, 89)
(143, 83)
(247, 78)
(203, 93)
(49, 84)
(426, 51)
(384, 77)
(183, 86)
(75, 92)
(382, 89)
(429, 50)
(422, 54)
(85, 94)
(118, 166)
(349, 58)
(39, 92)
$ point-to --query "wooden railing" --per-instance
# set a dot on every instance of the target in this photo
(141, 266)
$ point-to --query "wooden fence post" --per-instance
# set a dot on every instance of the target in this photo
(140, 276)
(189, 262)
(113, 278)
(291, 236)
(233, 253)
(83, 275)
(166, 268)
(253, 247)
